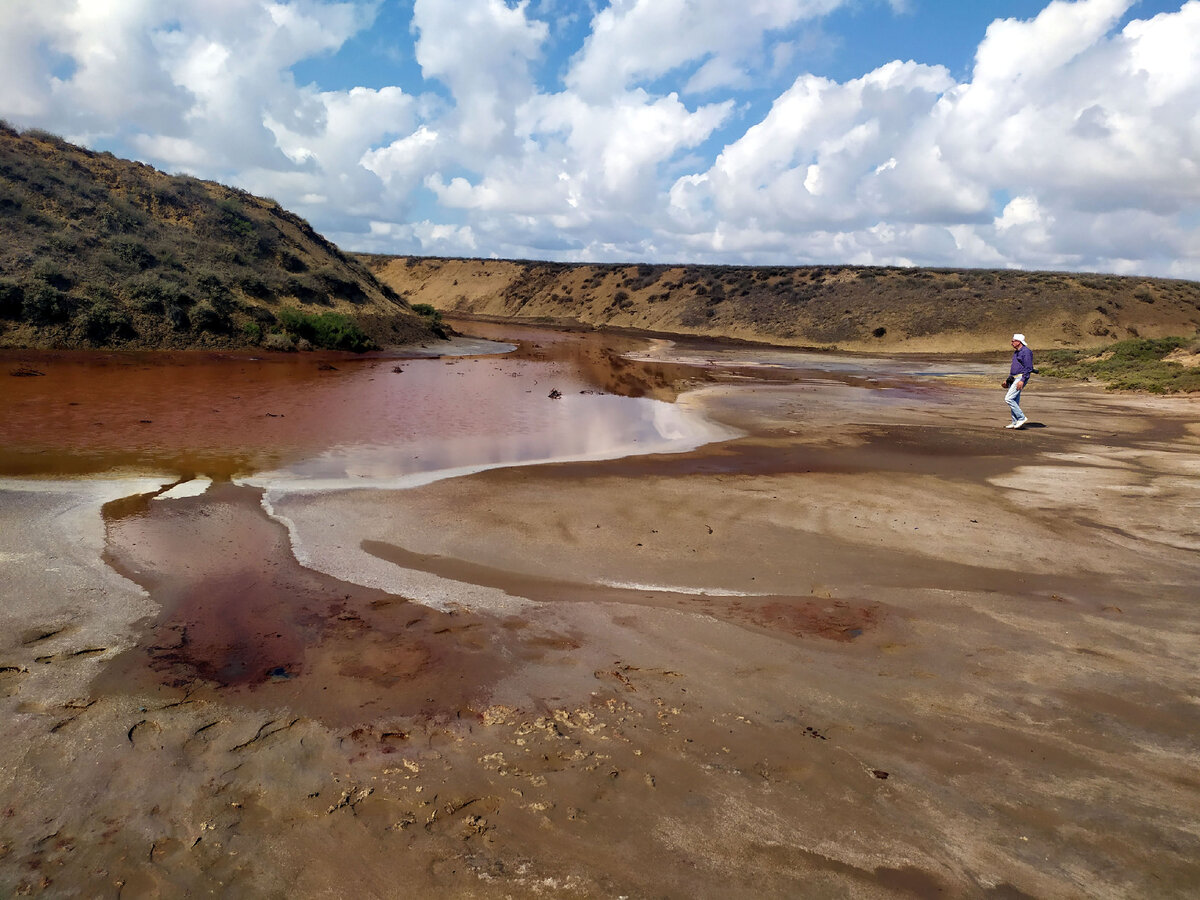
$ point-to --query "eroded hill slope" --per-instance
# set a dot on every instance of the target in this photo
(851, 307)
(101, 251)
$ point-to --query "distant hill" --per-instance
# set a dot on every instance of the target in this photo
(100, 251)
(97, 251)
(851, 307)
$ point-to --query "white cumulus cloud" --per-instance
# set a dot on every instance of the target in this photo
(690, 130)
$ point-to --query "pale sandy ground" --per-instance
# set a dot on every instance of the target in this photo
(878, 647)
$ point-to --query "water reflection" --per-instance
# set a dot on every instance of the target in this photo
(583, 426)
(314, 420)
(319, 418)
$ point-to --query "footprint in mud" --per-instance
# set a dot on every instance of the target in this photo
(85, 653)
(11, 678)
(44, 633)
(145, 735)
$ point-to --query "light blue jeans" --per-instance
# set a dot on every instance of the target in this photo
(1013, 399)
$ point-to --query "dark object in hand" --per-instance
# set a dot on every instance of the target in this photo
(1008, 381)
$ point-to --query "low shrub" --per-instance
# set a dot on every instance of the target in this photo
(337, 285)
(206, 317)
(104, 321)
(429, 312)
(45, 305)
(151, 289)
(261, 315)
(329, 330)
(283, 342)
(210, 285)
(132, 252)
(12, 296)
(49, 272)
(177, 317)
(1137, 364)
(233, 220)
(256, 286)
(292, 263)
(303, 290)
(121, 217)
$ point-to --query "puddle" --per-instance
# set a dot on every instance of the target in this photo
(322, 418)
(238, 614)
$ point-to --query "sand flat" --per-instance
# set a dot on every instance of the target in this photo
(875, 646)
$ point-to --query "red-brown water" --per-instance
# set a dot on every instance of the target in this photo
(238, 614)
(236, 608)
(333, 415)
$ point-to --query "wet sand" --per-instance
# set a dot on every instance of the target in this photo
(876, 645)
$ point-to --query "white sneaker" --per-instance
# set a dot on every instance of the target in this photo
(1020, 424)
(1011, 425)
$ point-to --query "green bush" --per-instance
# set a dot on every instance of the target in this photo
(155, 293)
(10, 203)
(292, 263)
(49, 272)
(1132, 365)
(104, 321)
(207, 318)
(12, 296)
(303, 290)
(261, 315)
(133, 252)
(45, 305)
(210, 286)
(429, 312)
(256, 286)
(233, 220)
(329, 330)
(337, 285)
(176, 316)
(120, 216)
(169, 259)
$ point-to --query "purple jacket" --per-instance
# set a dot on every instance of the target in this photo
(1022, 364)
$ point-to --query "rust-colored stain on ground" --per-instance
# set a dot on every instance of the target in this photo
(239, 614)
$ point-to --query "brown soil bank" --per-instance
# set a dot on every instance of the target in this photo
(849, 307)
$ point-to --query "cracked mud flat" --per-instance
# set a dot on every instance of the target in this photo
(877, 646)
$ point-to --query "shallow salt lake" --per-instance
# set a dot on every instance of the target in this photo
(317, 421)
(512, 395)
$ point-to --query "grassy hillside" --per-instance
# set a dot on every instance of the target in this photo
(850, 307)
(100, 251)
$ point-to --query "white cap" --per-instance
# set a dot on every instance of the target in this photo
(1019, 337)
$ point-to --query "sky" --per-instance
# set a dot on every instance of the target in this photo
(1027, 134)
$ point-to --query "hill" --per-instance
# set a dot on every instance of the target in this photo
(101, 251)
(862, 308)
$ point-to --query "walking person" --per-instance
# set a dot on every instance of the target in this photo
(1018, 377)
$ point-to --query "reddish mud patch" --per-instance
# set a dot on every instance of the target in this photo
(801, 617)
(240, 616)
